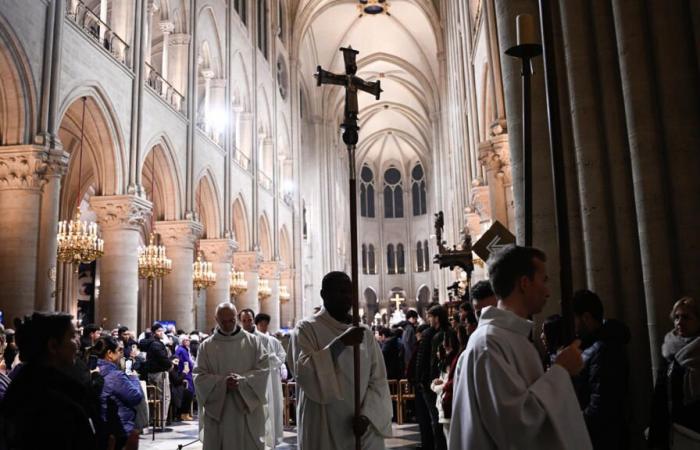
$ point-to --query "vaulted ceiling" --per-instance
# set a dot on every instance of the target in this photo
(400, 49)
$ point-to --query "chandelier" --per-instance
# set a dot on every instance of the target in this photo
(203, 275)
(238, 283)
(264, 289)
(78, 241)
(284, 293)
(152, 260)
(373, 7)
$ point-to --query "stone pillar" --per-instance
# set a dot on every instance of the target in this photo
(179, 237)
(149, 33)
(207, 75)
(248, 263)
(103, 18)
(244, 134)
(121, 218)
(219, 252)
(166, 27)
(270, 270)
(494, 155)
(46, 259)
(21, 169)
(287, 310)
(178, 60)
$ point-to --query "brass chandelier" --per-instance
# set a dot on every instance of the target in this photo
(153, 263)
(203, 275)
(238, 283)
(264, 289)
(284, 293)
(78, 241)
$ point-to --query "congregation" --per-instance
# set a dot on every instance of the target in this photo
(478, 378)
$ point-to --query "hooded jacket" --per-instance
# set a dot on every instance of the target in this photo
(120, 396)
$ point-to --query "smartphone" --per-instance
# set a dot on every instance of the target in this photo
(92, 362)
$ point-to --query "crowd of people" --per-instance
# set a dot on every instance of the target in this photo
(478, 377)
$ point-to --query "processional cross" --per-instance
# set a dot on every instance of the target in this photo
(398, 300)
(352, 84)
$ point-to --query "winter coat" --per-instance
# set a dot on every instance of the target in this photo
(121, 395)
(601, 387)
(157, 358)
(183, 355)
(422, 374)
(391, 351)
(46, 408)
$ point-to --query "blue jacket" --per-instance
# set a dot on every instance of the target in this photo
(120, 394)
(184, 356)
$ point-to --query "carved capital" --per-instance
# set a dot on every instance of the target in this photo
(479, 202)
(494, 155)
(271, 270)
(166, 26)
(121, 211)
(218, 250)
(179, 39)
(247, 261)
(179, 233)
(22, 167)
(56, 163)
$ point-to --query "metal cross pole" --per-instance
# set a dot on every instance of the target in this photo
(558, 170)
(525, 51)
(352, 84)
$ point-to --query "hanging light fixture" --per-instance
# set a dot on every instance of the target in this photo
(284, 293)
(153, 263)
(373, 7)
(78, 241)
(203, 275)
(264, 289)
(238, 283)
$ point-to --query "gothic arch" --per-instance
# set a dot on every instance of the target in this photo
(207, 204)
(423, 299)
(265, 237)
(167, 199)
(285, 246)
(240, 84)
(17, 94)
(240, 224)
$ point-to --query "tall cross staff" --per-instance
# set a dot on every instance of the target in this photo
(352, 84)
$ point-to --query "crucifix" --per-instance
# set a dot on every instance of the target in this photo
(352, 84)
(397, 299)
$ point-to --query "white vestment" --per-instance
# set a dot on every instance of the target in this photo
(325, 392)
(274, 426)
(503, 399)
(231, 420)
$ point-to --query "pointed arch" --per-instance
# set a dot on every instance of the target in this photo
(240, 224)
(265, 237)
(207, 204)
(168, 186)
(285, 246)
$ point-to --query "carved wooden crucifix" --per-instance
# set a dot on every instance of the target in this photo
(352, 84)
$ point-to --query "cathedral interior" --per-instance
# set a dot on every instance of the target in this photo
(195, 131)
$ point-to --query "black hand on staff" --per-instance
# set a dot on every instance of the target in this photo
(352, 84)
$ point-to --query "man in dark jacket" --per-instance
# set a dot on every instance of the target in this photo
(421, 380)
(391, 351)
(157, 365)
(601, 385)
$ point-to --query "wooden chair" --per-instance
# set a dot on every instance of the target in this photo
(406, 394)
(289, 391)
(395, 395)
(154, 406)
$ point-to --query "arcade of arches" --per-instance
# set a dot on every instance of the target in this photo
(200, 121)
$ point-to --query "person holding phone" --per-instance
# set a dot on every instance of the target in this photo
(121, 393)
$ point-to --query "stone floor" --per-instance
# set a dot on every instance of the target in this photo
(181, 434)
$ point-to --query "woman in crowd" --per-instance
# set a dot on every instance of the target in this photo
(44, 407)
(121, 393)
(443, 386)
(185, 368)
(676, 404)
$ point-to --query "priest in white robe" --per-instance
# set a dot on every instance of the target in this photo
(503, 399)
(230, 381)
(321, 358)
(275, 400)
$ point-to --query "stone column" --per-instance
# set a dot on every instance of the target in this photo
(270, 270)
(149, 32)
(46, 260)
(287, 310)
(244, 134)
(219, 252)
(21, 169)
(178, 60)
(494, 155)
(121, 218)
(179, 237)
(207, 75)
(166, 27)
(103, 18)
(248, 263)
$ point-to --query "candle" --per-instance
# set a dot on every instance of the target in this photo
(525, 26)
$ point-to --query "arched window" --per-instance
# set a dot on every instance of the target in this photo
(370, 260)
(419, 256)
(263, 27)
(400, 259)
(366, 192)
(418, 191)
(426, 256)
(390, 259)
(364, 259)
(241, 7)
(393, 193)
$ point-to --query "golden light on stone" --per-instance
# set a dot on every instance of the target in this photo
(203, 275)
(153, 263)
(284, 293)
(239, 285)
(264, 289)
(78, 241)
